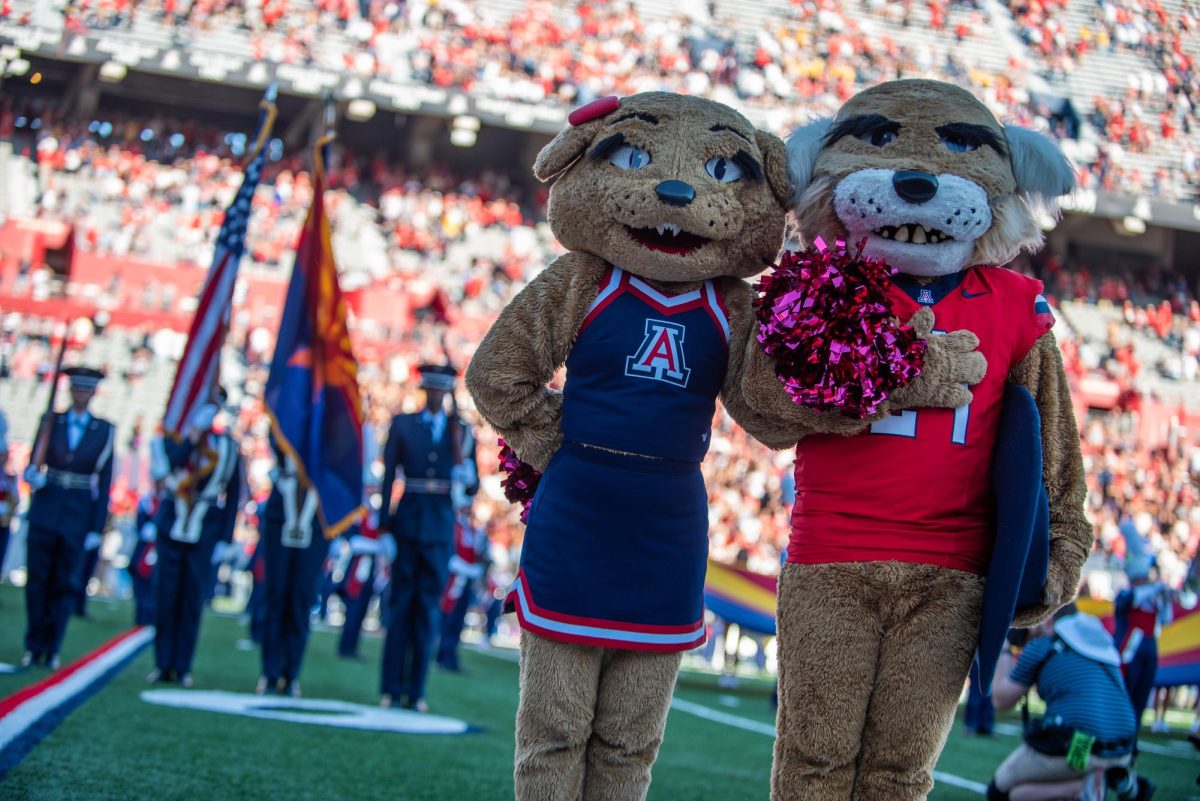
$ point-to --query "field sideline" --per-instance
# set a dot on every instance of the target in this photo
(116, 746)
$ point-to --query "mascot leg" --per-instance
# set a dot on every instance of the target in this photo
(828, 648)
(930, 630)
(631, 713)
(559, 682)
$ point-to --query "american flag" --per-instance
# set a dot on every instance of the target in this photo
(200, 365)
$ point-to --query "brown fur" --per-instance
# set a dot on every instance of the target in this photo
(1014, 226)
(1071, 535)
(854, 723)
(951, 363)
(873, 655)
(934, 104)
(592, 201)
(590, 720)
(507, 377)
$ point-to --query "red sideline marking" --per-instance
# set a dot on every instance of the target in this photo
(21, 696)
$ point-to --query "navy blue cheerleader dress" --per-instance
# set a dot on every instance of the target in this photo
(616, 545)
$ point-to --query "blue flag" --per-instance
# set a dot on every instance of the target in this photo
(312, 392)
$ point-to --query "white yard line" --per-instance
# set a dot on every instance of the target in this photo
(738, 722)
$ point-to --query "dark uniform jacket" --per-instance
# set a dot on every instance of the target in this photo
(425, 512)
(219, 492)
(74, 500)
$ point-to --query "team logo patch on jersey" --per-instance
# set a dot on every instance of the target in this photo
(925, 297)
(660, 356)
(1042, 313)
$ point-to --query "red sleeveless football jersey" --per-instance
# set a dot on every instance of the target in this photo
(916, 487)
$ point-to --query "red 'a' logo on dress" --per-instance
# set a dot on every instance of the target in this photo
(660, 356)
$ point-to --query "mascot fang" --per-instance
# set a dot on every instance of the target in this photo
(893, 528)
(665, 203)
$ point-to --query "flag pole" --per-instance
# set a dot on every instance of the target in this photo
(198, 371)
(327, 137)
(41, 444)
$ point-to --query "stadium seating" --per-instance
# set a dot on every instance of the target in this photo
(975, 43)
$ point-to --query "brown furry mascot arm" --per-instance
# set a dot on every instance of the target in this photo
(753, 396)
(1071, 535)
(951, 364)
(530, 340)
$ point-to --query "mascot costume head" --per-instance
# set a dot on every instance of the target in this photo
(924, 172)
(671, 188)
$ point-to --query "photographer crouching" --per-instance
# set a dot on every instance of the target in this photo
(1083, 746)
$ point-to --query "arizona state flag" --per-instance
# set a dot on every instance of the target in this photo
(312, 392)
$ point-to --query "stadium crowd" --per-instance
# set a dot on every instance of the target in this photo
(749, 486)
(135, 188)
(157, 190)
(787, 67)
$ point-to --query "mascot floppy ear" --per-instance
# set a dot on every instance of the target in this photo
(1038, 165)
(802, 147)
(570, 143)
(775, 165)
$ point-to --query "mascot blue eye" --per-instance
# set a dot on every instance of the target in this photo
(879, 138)
(628, 157)
(723, 170)
(958, 144)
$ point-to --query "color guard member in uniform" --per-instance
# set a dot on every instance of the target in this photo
(202, 473)
(294, 547)
(357, 583)
(467, 569)
(91, 558)
(358, 566)
(69, 504)
(10, 498)
(432, 450)
(144, 557)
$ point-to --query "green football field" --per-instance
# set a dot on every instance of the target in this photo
(116, 746)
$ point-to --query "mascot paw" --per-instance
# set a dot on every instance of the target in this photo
(536, 446)
(1062, 584)
(952, 363)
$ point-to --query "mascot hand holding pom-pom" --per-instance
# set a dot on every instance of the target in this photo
(665, 203)
(893, 528)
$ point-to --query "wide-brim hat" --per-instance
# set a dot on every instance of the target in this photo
(84, 377)
(437, 376)
(1087, 636)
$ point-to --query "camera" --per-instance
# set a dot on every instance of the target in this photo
(1018, 638)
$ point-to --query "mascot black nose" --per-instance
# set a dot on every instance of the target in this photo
(915, 186)
(675, 193)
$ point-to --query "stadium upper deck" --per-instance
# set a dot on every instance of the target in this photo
(1116, 80)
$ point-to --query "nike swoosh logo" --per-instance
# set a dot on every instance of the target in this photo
(969, 295)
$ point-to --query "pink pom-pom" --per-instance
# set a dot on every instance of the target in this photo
(521, 481)
(824, 317)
